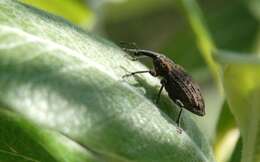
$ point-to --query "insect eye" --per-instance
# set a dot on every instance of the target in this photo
(163, 65)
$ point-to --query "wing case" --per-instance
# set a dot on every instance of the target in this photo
(180, 86)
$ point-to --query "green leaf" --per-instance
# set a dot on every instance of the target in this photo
(227, 135)
(21, 141)
(68, 81)
(236, 156)
(241, 83)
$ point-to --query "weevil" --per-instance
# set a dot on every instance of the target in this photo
(180, 86)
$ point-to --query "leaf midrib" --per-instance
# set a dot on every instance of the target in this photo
(68, 51)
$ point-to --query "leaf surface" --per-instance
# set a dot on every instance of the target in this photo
(66, 80)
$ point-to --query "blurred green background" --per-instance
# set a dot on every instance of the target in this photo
(166, 26)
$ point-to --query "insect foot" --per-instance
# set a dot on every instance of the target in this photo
(179, 130)
(127, 75)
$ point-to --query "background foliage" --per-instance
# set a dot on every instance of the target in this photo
(46, 99)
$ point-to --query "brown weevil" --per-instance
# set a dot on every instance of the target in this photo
(181, 88)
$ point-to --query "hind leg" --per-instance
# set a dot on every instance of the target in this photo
(179, 117)
(180, 105)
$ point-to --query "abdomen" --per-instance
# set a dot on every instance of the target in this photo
(180, 86)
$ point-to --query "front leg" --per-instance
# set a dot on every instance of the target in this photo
(152, 72)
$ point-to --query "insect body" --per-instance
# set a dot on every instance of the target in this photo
(179, 85)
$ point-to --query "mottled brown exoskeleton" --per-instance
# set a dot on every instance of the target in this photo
(180, 86)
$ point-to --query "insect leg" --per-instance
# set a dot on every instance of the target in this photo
(138, 72)
(163, 82)
(178, 119)
(180, 104)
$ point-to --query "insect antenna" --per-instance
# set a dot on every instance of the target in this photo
(131, 47)
(128, 45)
